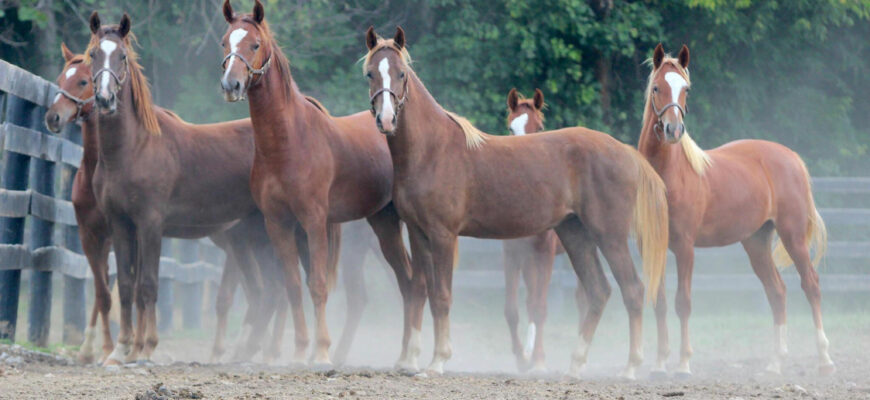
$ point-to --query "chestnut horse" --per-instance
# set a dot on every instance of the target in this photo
(309, 170)
(532, 257)
(451, 179)
(157, 175)
(74, 103)
(744, 191)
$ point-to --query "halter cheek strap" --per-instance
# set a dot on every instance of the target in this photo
(112, 73)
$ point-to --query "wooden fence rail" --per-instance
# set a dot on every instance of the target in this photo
(30, 207)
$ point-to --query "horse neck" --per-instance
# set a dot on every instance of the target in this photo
(665, 158)
(90, 142)
(120, 133)
(271, 112)
(419, 125)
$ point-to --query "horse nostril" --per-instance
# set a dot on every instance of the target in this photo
(55, 118)
(378, 119)
(238, 85)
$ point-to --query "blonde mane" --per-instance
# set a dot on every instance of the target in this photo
(474, 138)
(697, 157)
(142, 101)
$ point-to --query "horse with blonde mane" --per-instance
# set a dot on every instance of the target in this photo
(743, 191)
(156, 175)
(311, 169)
(452, 179)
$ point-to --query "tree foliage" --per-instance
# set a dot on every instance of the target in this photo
(796, 72)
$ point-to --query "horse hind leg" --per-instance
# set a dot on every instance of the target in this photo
(96, 249)
(581, 249)
(758, 248)
(537, 277)
(794, 240)
(353, 278)
(226, 292)
(659, 371)
(283, 238)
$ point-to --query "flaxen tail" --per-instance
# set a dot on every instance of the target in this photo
(816, 236)
(651, 223)
(333, 235)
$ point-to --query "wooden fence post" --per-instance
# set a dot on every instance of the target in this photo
(164, 294)
(41, 235)
(192, 293)
(74, 289)
(15, 171)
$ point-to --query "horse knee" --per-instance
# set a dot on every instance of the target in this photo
(683, 305)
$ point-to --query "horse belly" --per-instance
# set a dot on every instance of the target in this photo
(727, 224)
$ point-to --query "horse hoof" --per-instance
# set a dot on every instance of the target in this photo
(144, 363)
(658, 376)
(112, 362)
(321, 367)
(683, 376)
(85, 359)
(827, 370)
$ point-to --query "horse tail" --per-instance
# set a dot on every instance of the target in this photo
(816, 234)
(651, 223)
(333, 234)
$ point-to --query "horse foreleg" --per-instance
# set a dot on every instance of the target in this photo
(315, 227)
(283, 237)
(124, 241)
(355, 290)
(96, 249)
(226, 292)
(512, 268)
(659, 370)
(685, 255)
(150, 238)
(537, 277)
(439, 278)
(581, 251)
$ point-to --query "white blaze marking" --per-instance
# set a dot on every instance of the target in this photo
(386, 104)
(235, 38)
(518, 125)
(70, 72)
(108, 47)
(677, 83)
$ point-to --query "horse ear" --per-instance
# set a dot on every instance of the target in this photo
(95, 22)
(259, 12)
(67, 54)
(228, 11)
(684, 56)
(658, 56)
(399, 39)
(124, 25)
(513, 99)
(371, 38)
(539, 99)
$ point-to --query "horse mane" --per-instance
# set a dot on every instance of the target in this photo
(279, 60)
(697, 157)
(317, 104)
(142, 101)
(474, 138)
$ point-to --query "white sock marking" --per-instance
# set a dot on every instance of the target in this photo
(530, 338)
(386, 103)
(677, 83)
(518, 125)
(236, 37)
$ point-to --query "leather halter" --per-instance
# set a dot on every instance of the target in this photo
(659, 126)
(252, 72)
(114, 76)
(79, 102)
(400, 102)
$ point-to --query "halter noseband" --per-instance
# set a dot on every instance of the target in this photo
(112, 73)
(252, 72)
(79, 102)
(400, 102)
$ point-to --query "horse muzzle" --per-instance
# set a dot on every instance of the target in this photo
(234, 90)
(386, 126)
(54, 122)
(107, 102)
(673, 132)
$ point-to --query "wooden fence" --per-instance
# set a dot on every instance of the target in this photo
(38, 227)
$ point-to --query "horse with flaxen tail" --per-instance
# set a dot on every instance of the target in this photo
(743, 191)
(450, 180)
(155, 176)
(311, 169)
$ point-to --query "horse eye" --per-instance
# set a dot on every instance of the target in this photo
(655, 89)
(256, 47)
(83, 83)
(123, 57)
(402, 75)
(368, 75)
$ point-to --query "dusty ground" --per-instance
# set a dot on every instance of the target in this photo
(30, 375)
